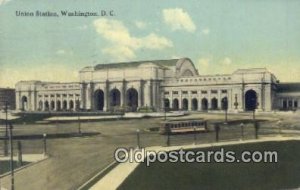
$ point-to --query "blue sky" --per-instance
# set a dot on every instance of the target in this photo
(219, 36)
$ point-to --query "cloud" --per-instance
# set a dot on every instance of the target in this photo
(178, 19)
(119, 53)
(140, 24)
(204, 62)
(206, 31)
(122, 45)
(2, 2)
(226, 61)
(63, 52)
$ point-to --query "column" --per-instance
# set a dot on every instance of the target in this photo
(159, 95)
(124, 92)
(55, 102)
(61, 102)
(219, 100)
(180, 100)
(82, 96)
(68, 102)
(29, 101)
(230, 100)
(74, 102)
(209, 100)
(91, 96)
(190, 101)
(199, 98)
(43, 106)
(171, 99)
(259, 100)
(154, 94)
(242, 102)
(88, 96)
(106, 96)
(150, 93)
(140, 94)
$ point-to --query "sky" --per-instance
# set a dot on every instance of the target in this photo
(218, 36)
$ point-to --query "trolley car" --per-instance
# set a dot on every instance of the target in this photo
(183, 126)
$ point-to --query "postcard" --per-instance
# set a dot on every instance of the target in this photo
(149, 95)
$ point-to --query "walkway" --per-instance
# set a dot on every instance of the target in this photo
(130, 115)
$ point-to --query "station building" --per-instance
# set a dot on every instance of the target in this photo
(159, 84)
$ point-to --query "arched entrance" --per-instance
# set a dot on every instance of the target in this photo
(175, 104)
(224, 104)
(58, 105)
(65, 105)
(99, 100)
(214, 103)
(46, 105)
(250, 100)
(71, 105)
(132, 99)
(24, 103)
(185, 104)
(204, 104)
(194, 104)
(115, 98)
(166, 103)
(52, 105)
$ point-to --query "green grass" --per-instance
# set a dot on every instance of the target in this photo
(282, 175)
(5, 166)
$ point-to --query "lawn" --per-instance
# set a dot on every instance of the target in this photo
(282, 175)
(5, 166)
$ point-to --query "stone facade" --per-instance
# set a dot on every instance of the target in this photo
(174, 84)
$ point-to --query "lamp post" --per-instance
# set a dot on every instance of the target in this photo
(195, 135)
(165, 110)
(138, 138)
(226, 116)
(45, 143)
(255, 106)
(279, 126)
(168, 135)
(256, 127)
(225, 107)
(217, 129)
(6, 124)
(78, 116)
(6, 129)
(79, 125)
(242, 130)
(11, 156)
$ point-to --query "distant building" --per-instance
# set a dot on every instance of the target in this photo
(174, 84)
(7, 95)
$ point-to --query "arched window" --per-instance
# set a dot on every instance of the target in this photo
(250, 100)
(132, 99)
(194, 104)
(175, 104)
(99, 100)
